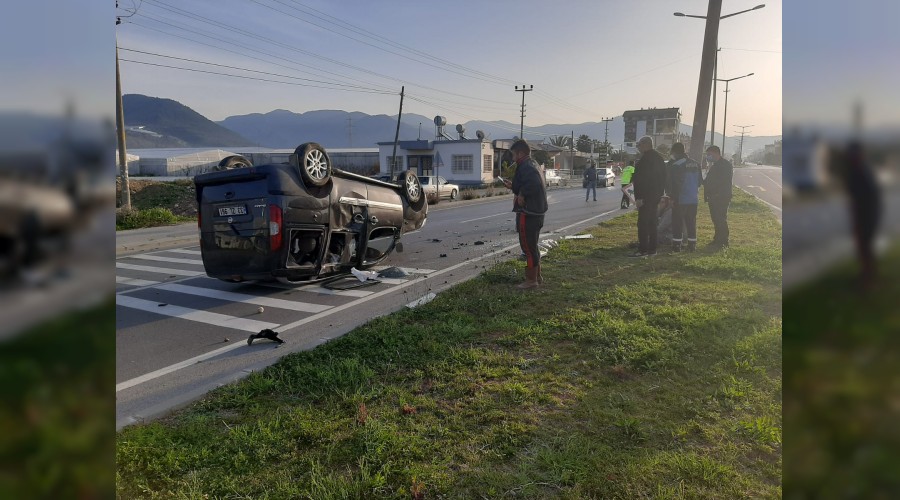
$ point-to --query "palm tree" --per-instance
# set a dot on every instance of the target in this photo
(561, 141)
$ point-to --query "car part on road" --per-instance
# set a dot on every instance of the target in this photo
(264, 334)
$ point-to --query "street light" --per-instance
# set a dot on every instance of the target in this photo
(712, 127)
(725, 117)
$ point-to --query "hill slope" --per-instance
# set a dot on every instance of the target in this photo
(173, 125)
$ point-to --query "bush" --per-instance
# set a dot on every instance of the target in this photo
(151, 217)
(469, 194)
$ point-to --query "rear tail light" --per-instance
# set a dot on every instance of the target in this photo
(275, 219)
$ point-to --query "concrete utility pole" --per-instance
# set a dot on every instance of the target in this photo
(572, 145)
(397, 133)
(606, 142)
(522, 120)
(741, 146)
(704, 85)
(120, 125)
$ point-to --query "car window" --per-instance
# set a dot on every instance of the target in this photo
(441, 180)
(424, 180)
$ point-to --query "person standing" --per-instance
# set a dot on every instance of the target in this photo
(682, 188)
(627, 187)
(530, 205)
(865, 208)
(590, 181)
(717, 192)
(649, 184)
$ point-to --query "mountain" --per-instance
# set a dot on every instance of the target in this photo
(152, 122)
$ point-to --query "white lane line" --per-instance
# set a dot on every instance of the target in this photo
(181, 250)
(134, 281)
(158, 270)
(486, 217)
(166, 259)
(317, 289)
(244, 298)
(586, 220)
(773, 180)
(210, 318)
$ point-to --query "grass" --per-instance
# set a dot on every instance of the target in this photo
(151, 217)
(619, 378)
(158, 204)
(841, 348)
(57, 411)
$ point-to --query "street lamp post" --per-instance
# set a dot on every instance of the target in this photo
(702, 90)
(725, 116)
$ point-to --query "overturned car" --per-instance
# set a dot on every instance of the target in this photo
(302, 220)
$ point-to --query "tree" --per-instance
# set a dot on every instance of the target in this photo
(541, 157)
(583, 143)
(561, 141)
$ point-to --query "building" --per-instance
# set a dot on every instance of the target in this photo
(662, 124)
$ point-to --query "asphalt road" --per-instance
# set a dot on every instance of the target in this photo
(180, 334)
(763, 182)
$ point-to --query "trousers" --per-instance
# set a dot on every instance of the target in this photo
(718, 212)
(684, 220)
(647, 220)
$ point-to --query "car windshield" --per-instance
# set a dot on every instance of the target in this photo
(425, 180)
(601, 171)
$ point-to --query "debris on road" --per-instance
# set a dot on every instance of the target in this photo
(579, 237)
(264, 334)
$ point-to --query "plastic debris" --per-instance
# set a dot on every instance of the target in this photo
(579, 237)
(393, 272)
(364, 275)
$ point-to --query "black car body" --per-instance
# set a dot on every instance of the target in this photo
(301, 220)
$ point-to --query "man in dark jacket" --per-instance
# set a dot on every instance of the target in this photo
(590, 181)
(717, 192)
(682, 187)
(530, 205)
(649, 184)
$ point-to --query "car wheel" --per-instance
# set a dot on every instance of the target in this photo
(315, 166)
(412, 190)
(233, 161)
(454, 194)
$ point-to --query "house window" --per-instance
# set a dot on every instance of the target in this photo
(462, 164)
(398, 163)
(488, 166)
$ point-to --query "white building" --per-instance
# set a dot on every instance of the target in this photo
(467, 162)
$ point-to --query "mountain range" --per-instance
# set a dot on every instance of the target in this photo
(179, 126)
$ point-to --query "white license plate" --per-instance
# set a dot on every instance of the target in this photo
(224, 211)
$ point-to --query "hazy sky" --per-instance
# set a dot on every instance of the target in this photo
(586, 59)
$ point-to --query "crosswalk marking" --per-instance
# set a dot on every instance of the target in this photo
(166, 259)
(182, 250)
(244, 298)
(216, 319)
(134, 281)
(158, 270)
(318, 289)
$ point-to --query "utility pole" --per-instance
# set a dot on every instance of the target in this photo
(522, 120)
(350, 129)
(572, 145)
(120, 125)
(741, 146)
(712, 126)
(397, 133)
(606, 142)
(701, 107)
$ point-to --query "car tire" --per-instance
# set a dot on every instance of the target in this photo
(454, 194)
(233, 161)
(412, 190)
(314, 164)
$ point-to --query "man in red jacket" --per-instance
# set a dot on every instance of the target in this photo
(530, 205)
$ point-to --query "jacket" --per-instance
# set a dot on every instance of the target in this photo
(529, 182)
(717, 185)
(590, 174)
(627, 172)
(649, 177)
(683, 181)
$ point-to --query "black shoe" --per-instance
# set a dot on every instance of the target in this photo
(691, 247)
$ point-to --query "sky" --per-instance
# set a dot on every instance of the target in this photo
(587, 60)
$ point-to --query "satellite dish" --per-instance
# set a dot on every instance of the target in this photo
(440, 121)
(460, 128)
(479, 134)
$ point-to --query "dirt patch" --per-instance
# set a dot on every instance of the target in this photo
(177, 196)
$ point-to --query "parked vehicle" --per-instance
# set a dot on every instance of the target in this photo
(605, 177)
(552, 178)
(430, 184)
(302, 220)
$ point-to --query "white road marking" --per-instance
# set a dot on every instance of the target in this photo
(244, 298)
(318, 289)
(166, 259)
(158, 270)
(134, 281)
(486, 217)
(586, 220)
(210, 318)
(181, 250)
(773, 180)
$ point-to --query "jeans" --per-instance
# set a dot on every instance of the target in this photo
(718, 212)
(591, 186)
(647, 220)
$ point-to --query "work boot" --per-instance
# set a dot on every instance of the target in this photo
(691, 246)
(530, 279)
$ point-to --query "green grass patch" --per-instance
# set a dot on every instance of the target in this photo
(151, 217)
(619, 378)
(841, 347)
(57, 412)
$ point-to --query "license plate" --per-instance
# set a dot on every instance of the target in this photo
(240, 210)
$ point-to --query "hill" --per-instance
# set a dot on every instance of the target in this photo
(153, 122)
